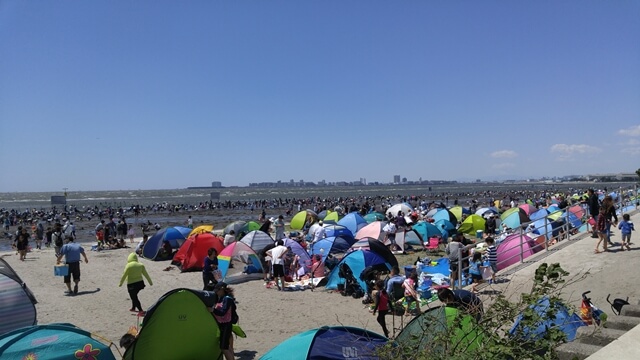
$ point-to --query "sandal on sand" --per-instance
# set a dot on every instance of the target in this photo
(596, 251)
(628, 247)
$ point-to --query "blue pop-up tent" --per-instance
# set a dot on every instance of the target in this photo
(357, 261)
(563, 320)
(329, 342)
(176, 236)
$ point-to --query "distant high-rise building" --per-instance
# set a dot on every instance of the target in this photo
(396, 179)
(216, 184)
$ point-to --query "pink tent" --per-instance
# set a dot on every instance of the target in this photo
(373, 230)
(509, 250)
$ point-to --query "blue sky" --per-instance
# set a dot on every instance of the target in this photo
(107, 95)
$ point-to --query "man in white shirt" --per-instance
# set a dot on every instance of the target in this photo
(319, 233)
(277, 259)
(229, 238)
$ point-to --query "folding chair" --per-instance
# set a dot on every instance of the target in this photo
(433, 244)
(396, 295)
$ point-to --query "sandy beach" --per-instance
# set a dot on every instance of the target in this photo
(269, 316)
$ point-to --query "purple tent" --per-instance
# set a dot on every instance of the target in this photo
(509, 250)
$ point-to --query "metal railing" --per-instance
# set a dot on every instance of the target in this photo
(557, 226)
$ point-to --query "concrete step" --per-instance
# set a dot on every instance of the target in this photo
(622, 322)
(598, 336)
(576, 351)
(630, 310)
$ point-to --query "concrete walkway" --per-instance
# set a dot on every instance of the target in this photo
(615, 272)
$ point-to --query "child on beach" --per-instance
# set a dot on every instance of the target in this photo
(131, 233)
(601, 228)
(410, 293)
(381, 305)
(492, 256)
(626, 227)
(475, 270)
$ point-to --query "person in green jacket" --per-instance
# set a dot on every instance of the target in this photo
(133, 272)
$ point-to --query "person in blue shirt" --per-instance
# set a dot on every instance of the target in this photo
(210, 266)
(72, 253)
(475, 270)
(626, 227)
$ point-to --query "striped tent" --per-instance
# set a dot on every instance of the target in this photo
(17, 303)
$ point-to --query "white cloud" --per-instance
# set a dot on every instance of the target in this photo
(504, 154)
(632, 142)
(632, 131)
(567, 151)
(503, 166)
(631, 151)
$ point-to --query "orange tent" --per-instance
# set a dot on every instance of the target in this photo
(191, 255)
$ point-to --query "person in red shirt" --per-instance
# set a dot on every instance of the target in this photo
(381, 305)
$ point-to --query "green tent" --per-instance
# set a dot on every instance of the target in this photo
(178, 326)
(457, 328)
(472, 224)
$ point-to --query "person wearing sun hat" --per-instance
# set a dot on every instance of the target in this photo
(225, 314)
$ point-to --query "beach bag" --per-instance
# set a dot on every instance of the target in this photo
(487, 273)
(61, 270)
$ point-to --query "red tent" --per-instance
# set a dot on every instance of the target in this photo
(191, 255)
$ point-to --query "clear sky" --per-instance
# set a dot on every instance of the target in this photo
(107, 95)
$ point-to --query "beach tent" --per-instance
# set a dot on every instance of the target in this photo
(353, 221)
(176, 236)
(374, 216)
(446, 228)
(372, 230)
(297, 249)
(542, 213)
(302, 219)
(427, 230)
(178, 326)
(550, 317)
(356, 261)
(257, 240)
(440, 321)
(472, 224)
(52, 342)
(329, 342)
(200, 230)
(235, 226)
(336, 230)
(528, 208)
(509, 250)
(446, 215)
(485, 212)
(377, 247)
(247, 228)
(329, 216)
(238, 251)
(17, 303)
(331, 245)
(404, 207)
(514, 217)
(191, 255)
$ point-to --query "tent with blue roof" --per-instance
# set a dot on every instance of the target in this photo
(52, 342)
(563, 320)
(331, 245)
(176, 236)
(17, 303)
(329, 342)
(353, 221)
(357, 261)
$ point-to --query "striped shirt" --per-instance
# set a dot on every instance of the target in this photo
(492, 252)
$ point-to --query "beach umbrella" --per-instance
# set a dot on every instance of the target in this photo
(303, 218)
(235, 226)
(373, 230)
(404, 207)
(329, 342)
(353, 221)
(514, 217)
(472, 224)
(374, 216)
(528, 208)
(201, 230)
(247, 228)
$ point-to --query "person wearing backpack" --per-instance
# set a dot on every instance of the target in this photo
(381, 305)
(57, 238)
(225, 314)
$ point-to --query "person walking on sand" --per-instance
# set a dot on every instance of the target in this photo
(381, 305)
(133, 273)
(72, 253)
(131, 233)
(279, 225)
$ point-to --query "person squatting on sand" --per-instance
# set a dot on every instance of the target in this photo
(72, 252)
(209, 269)
(133, 273)
(225, 314)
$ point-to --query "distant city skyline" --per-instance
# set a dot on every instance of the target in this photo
(165, 94)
